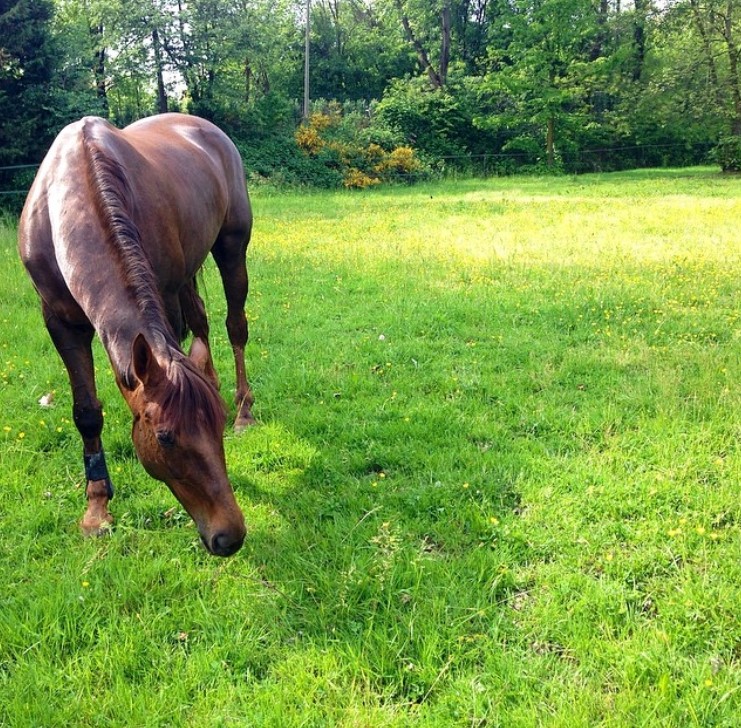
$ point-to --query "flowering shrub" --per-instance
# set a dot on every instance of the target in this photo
(341, 142)
(356, 179)
(401, 160)
(308, 139)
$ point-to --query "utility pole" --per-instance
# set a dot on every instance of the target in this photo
(306, 60)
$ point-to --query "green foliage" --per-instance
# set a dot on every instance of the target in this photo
(429, 120)
(495, 480)
(354, 52)
(27, 57)
(267, 117)
(540, 78)
(15, 183)
(469, 85)
(279, 160)
(728, 153)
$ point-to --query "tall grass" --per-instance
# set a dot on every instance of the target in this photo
(496, 480)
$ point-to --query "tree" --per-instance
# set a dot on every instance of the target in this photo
(356, 49)
(718, 27)
(27, 66)
(538, 82)
(426, 25)
(106, 47)
(473, 28)
(542, 78)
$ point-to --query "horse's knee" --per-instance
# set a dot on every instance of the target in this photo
(88, 420)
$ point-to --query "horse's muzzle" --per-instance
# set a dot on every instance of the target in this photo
(224, 543)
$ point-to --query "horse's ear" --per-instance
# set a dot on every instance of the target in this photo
(199, 354)
(146, 367)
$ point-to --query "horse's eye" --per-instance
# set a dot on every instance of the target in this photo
(166, 438)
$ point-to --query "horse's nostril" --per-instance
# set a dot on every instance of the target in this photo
(225, 544)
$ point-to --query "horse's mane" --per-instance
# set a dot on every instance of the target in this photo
(191, 399)
(112, 195)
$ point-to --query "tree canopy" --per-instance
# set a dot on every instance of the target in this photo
(558, 84)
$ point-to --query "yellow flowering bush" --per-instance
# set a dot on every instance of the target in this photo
(321, 121)
(331, 139)
(375, 154)
(355, 179)
(401, 160)
(308, 139)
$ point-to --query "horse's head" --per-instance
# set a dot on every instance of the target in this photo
(178, 433)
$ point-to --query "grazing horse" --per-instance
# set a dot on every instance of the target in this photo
(114, 229)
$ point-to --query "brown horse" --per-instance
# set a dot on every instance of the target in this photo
(114, 230)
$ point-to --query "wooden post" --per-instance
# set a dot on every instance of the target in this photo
(307, 46)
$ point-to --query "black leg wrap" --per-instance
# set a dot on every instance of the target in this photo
(95, 469)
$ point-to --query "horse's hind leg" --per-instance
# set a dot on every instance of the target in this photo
(74, 346)
(230, 255)
(194, 313)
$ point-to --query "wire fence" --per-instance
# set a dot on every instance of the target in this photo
(580, 161)
(16, 179)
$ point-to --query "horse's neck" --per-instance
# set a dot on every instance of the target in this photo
(119, 306)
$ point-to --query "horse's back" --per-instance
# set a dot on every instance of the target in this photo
(60, 187)
(198, 170)
(174, 141)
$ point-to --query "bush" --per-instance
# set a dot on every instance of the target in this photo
(340, 145)
(343, 138)
(355, 179)
(429, 120)
(280, 160)
(728, 153)
(14, 184)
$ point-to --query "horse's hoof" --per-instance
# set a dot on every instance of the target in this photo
(243, 422)
(96, 524)
(102, 529)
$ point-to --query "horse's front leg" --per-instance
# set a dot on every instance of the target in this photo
(74, 346)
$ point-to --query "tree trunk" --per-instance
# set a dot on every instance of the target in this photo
(601, 37)
(639, 37)
(247, 79)
(161, 92)
(444, 43)
(550, 141)
(334, 9)
(186, 65)
(422, 57)
(708, 50)
(99, 67)
(733, 79)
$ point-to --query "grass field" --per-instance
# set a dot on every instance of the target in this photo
(496, 480)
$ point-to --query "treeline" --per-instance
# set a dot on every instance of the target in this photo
(399, 87)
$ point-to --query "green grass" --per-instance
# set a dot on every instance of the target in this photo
(496, 480)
